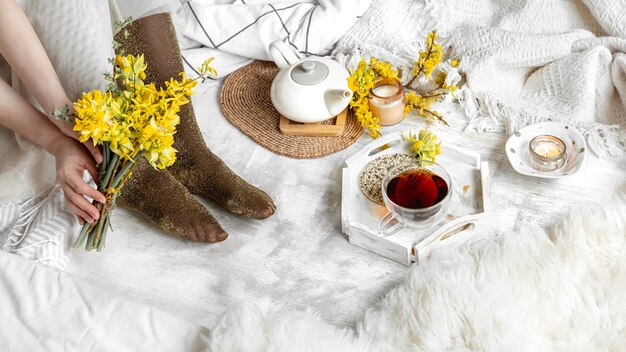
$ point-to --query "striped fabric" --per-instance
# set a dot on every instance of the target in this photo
(38, 228)
(239, 30)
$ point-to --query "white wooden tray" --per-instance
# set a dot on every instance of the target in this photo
(360, 217)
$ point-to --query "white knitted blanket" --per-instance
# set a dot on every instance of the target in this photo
(525, 60)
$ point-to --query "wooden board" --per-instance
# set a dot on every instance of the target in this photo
(291, 128)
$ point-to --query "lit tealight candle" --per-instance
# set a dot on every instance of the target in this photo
(387, 102)
(547, 152)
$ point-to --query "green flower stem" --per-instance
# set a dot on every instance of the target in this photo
(102, 239)
(105, 158)
(107, 177)
(104, 213)
(103, 165)
(81, 236)
(126, 167)
(92, 235)
(107, 151)
(116, 171)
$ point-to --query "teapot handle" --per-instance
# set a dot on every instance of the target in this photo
(282, 54)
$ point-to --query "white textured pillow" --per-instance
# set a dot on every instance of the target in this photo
(77, 36)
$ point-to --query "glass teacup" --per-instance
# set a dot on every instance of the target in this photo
(416, 194)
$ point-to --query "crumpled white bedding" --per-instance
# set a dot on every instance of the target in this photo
(525, 60)
(297, 257)
(44, 309)
(235, 32)
(232, 30)
(196, 282)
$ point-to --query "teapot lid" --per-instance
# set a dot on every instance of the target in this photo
(309, 72)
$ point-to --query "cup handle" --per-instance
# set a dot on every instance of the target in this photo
(386, 227)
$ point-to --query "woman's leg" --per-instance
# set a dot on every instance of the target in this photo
(156, 194)
(168, 204)
(196, 167)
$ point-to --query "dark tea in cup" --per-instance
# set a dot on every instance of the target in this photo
(417, 189)
(416, 194)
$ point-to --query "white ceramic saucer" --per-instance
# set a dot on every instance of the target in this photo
(519, 154)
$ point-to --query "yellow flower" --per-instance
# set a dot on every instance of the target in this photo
(383, 69)
(130, 70)
(362, 79)
(139, 119)
(361, 82)
(206, 68)
(424, 145)
(429, 58)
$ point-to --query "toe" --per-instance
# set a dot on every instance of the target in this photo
(265, 213)
(201, 232)
(215, 233)
(258, 209)
(209, 230)
(190, 233)
(220, 236)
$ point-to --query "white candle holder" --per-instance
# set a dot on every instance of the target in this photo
(387, 101)
(547, 152)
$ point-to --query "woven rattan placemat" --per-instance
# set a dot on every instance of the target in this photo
(374, 172)
(246, 103)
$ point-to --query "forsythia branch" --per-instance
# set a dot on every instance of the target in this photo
(361, 82)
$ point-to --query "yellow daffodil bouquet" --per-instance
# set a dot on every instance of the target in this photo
(432, 79)
(130, 120)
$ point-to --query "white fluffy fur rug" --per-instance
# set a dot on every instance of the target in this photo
(564, 290)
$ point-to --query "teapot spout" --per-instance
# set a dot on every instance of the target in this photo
(337, 100)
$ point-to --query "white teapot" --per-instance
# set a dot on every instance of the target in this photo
(308, 90)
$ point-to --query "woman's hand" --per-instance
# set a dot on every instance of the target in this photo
(67, 129)
(28, 58)
(71, 162)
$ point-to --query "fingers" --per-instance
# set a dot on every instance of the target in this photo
(91, 168)
(72, 161)
(74, 190)
(77, 210)
(95, 151)
(83, 204)
(83, 188)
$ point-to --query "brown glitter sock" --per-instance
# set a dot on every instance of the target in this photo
(201, 171)
(166, 202)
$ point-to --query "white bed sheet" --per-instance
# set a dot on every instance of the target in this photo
(298, 257)
(43, 309)
(151, 291)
